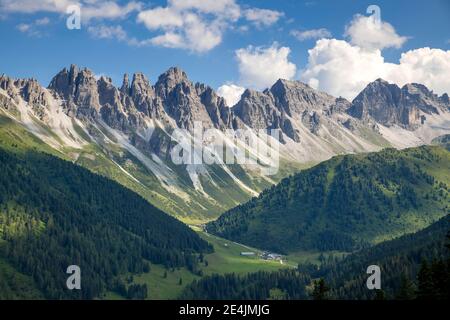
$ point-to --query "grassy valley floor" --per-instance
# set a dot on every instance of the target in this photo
(165, 284)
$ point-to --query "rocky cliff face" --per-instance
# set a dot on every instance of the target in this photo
(186, 102)
(390, 105)
(286, 104)
(29, 90)
(79, 90)
(173, 97)
(295, 97)
(174, 101)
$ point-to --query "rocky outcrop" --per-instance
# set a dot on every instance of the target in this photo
(283, 104)
(78, 88)
(216, 107)
(391, 105)
(182, 101)
(30, 91)
(294, 97)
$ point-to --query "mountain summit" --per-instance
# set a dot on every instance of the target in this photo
(389, 104)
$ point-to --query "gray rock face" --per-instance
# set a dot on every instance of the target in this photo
(173, 96)
(445, 100)
(187, 103)
(257, 110)
(79, 90)
(112, 110)
(390, 105)
(294, 97)
(142, 95)
(311, 120)
(30, 90)
(216, 107)
(284, 102)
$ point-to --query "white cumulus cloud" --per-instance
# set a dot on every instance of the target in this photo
(199, 25)
(182, 29)
(260, 67)
(194, 25)
(32, 6)
(161, 18)
(371, 33)
(231, 93)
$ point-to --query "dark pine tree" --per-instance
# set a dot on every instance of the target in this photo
(320, 291)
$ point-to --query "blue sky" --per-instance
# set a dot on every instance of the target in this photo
(36, 42)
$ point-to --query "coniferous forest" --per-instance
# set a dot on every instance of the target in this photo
(55, 214)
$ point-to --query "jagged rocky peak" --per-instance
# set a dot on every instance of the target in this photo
(294, 97)
(285, 101)
(125, 88)
(140, 86)
(390, 105)
(215, 105)
(257, 110)
(172, 96)
(6, 83)
(188, 103)
(28, 89)
(64, 81)
(137, 95)
(340, 105)
(9, 85)
(416, 94)
(79, 89)
(33, 93)
(170, 79)
(107, 92)
(378, 100)
(174, 74)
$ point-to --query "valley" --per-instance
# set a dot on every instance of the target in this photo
(164, 283)
(83, 156)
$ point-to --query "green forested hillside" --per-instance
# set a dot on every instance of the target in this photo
(14, 285)
(346, 203)
(279, 285)
(398, 259)
(54, 214)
